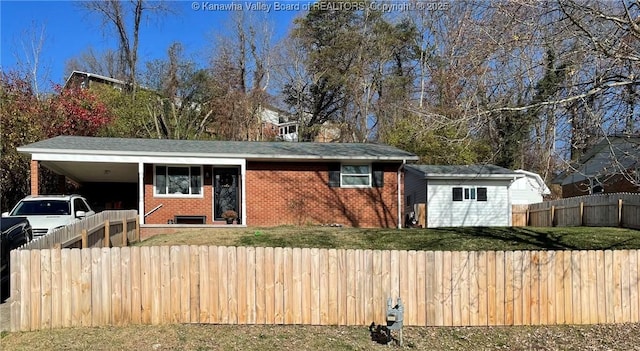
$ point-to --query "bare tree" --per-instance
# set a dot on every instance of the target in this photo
(241, 66)
(29, 58)
(117, 14)
(106, 63)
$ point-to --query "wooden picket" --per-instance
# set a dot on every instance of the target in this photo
(54, 288)
(610, 210)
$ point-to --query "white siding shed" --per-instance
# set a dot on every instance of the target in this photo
(529, 189)
(459, 196)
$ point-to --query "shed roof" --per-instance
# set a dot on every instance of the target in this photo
(463, 171)
(251, 150)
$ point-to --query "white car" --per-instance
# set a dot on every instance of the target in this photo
(49, 212)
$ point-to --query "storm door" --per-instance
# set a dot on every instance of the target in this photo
(225, 192)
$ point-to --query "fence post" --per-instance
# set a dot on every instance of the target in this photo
(137, 236)
(422, 215)
(526, 216)
(581, 213)
(553, 216)
(85, 239)
(124, 231)
(619, 212)
(107, 227)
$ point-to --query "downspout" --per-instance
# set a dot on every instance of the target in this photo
(510, 202)
(400, 194)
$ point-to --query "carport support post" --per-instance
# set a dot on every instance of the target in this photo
(35, 166)
(141, 192)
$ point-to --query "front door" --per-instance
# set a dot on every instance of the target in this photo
(225, 192)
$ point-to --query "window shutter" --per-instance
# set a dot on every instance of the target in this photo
(457, 194)
(334, 175)
(378, 175)
(482, 194)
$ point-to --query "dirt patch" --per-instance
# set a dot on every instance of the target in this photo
(271, 338)
(5, 316)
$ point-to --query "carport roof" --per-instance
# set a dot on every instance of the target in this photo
(250, 150)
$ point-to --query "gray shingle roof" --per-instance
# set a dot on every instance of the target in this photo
(233, 149)
(462, 170)
(612, 155)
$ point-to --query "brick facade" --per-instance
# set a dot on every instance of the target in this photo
(298, 193)
(171, 207)
(289, 194)
(614, 184)
(34, 177)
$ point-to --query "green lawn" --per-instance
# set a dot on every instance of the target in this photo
(453, 239)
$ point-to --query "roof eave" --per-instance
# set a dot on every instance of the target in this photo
(251, 157)
(472, 176)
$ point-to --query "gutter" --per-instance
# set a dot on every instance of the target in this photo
(510, 200)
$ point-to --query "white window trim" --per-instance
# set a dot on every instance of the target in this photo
(191, 196)
(342, 174)
(475, 198)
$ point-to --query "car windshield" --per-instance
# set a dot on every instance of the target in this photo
(42, 207)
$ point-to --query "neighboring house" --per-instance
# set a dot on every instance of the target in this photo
(611, 166)
(460, 196)
(278, 124)
(267, 183)
(85, 80)
(529, 189)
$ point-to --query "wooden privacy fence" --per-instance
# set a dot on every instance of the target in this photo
(519, 215)
(602, 210)
(104, 229)
(246, 285)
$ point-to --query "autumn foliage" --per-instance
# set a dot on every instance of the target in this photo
(75, 112)
(24, 119)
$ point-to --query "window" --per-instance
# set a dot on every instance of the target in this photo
(292, 129)
(42, 207)
(471, 194)
(355, 176)
(178, 180)
(79, 205)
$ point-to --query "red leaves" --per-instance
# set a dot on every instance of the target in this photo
(75, 112)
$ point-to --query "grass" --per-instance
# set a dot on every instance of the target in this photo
(439, 239)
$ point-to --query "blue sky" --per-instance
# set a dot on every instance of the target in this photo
(69, 30)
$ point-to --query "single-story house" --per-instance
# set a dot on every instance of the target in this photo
(459, 196)
(611, 166)
(529, 189)
(173, 182)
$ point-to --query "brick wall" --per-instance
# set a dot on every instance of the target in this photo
(289, 193)
(298, 193)
(615, 184)
(34, 177)
(191, 206)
